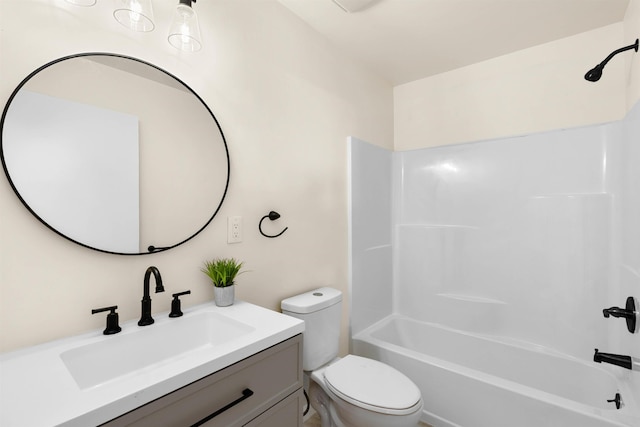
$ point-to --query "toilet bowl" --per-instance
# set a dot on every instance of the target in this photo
(355, 391)
(352, 391)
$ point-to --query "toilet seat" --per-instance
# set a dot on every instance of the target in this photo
(372, 385)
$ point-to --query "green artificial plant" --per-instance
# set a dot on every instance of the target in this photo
(222, 271)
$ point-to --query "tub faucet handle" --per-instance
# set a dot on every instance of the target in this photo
(617, 400)
(629, 313)
(616, 312)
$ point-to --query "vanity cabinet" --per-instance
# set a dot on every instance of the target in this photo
(263, 390)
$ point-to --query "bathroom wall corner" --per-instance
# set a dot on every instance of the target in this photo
(631, 33)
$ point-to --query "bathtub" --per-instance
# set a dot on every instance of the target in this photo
(471, 380)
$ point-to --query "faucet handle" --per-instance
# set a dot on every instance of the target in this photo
(629, 313)
(615, 311)
(175, 304)
(112, 319)
(617, 400)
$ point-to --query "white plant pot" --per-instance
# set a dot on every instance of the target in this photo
(224, 296)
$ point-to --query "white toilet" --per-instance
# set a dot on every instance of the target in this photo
(352, 391)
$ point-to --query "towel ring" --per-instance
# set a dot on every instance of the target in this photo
(272, 216)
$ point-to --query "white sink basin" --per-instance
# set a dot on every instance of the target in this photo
(145, 348)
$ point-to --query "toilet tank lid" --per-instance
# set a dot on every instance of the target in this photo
(312, 301)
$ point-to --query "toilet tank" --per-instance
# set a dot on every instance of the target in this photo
(321, 310)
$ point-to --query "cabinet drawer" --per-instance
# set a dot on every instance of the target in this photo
(270, 375)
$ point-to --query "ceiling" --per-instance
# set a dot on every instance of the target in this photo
(406, 40)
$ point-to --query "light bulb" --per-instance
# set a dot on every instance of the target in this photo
(184, 32)
(136, 15)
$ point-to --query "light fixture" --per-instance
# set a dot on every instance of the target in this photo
(82, 2)
(184, 32)
(136, 15)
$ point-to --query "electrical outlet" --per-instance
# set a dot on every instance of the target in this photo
(234, 229)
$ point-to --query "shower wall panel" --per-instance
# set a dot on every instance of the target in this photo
(370, 235)
(526, 238)
(508, 237)
(627, 232)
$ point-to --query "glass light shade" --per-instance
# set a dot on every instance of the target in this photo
(136, 15)
(82, 2)
(184, 32)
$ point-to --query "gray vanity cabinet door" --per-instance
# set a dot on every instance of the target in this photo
(274, 377)
(287, 413)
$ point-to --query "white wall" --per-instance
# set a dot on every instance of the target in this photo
(286, 101)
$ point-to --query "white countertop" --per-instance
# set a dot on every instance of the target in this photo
(37, 389)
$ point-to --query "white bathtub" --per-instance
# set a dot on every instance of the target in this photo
(470, 380)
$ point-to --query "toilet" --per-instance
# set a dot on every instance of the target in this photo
(352, 391)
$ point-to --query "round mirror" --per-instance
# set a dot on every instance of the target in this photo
(114, 153)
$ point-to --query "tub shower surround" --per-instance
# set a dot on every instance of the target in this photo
(478, 380)
(502, 255)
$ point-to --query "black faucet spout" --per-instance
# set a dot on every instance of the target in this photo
(157, 277)
(614, 359)
(145, 318)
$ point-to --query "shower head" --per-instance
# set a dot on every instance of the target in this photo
(595, 73)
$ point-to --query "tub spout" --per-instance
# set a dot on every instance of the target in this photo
(614, 359)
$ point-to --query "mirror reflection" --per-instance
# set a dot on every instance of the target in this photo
(114, 153)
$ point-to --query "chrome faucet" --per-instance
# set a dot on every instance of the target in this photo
(146, 318)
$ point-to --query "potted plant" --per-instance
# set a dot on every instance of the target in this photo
(222, 272)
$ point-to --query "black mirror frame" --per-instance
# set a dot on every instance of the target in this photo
(151, 249)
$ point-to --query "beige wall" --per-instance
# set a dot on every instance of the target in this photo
(532, 90)
(286, 101)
